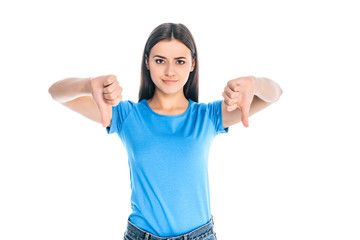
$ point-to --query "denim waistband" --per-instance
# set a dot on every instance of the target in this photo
(200, 232)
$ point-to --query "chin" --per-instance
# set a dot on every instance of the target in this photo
(167, 92)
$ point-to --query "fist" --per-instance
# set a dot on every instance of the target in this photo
(106, 92)
(239, 93)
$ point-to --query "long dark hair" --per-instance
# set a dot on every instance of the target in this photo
(168, 31)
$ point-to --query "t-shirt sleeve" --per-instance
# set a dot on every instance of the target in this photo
(215, 114)
(119, 114)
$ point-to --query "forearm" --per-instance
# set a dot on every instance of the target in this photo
(69, 89)
(267, 90)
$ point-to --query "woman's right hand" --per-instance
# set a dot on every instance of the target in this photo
(106, 92)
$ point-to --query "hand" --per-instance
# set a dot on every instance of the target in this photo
(239, 93)
(106, 92)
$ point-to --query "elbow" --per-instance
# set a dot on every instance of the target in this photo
(280, 92)
(52, 91)
(277, 92)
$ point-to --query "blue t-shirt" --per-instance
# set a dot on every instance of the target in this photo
(168, 161)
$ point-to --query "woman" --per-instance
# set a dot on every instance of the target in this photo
(167, 134)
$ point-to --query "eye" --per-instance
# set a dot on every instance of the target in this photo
(181, 62)
(159, 61)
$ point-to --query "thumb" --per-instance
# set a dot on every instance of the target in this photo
(103, 108)
(245, 115)
(245, 106)
(98, 95)
(105, 112)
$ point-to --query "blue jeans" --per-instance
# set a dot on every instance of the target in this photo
(204, 232)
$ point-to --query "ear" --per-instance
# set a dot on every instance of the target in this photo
(193, 65)
(147, 62)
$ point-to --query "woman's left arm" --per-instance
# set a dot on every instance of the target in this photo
(246, 96)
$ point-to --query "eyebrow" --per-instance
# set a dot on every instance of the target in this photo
(165, 57)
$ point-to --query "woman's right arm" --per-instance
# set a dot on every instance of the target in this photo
(91, 97)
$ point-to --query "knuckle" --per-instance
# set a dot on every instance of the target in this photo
(109, 96)
(111, 101)
(112, 77)
(106, 82)
(234, 82)
(233, 101)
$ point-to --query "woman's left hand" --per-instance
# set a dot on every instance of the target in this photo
(239, 93)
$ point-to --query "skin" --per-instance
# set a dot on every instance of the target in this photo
(168, 60)
(246, 96)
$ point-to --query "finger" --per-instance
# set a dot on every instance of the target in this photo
(115, 101)
(229, 101)
(104, 119)
(103, 108)
(230, 93)
(112, 87)
(111, 98)
(233, 85)
(231, 108)
(100, 102)
(245, 118)
(245, 109)
(113, 94)
(109, 80)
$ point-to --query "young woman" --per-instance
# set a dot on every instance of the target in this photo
(167, 133)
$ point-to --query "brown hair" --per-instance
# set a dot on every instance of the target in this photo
(168, 31)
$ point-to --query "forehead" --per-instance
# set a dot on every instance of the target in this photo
(171, 49)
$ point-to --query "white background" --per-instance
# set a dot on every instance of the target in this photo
(294, 174)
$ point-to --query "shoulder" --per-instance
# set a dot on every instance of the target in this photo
(209, 108)
(120, 113)
(127, 104)
(212, 112)
(124, 108)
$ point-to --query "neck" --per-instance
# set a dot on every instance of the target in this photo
(167, 101)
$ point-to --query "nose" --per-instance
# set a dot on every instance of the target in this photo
(170, 70)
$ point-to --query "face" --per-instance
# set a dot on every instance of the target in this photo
(170, 64)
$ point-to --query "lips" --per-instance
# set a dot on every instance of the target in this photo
(168, 81)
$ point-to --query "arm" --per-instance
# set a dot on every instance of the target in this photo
(246, 96)
(91, 97)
